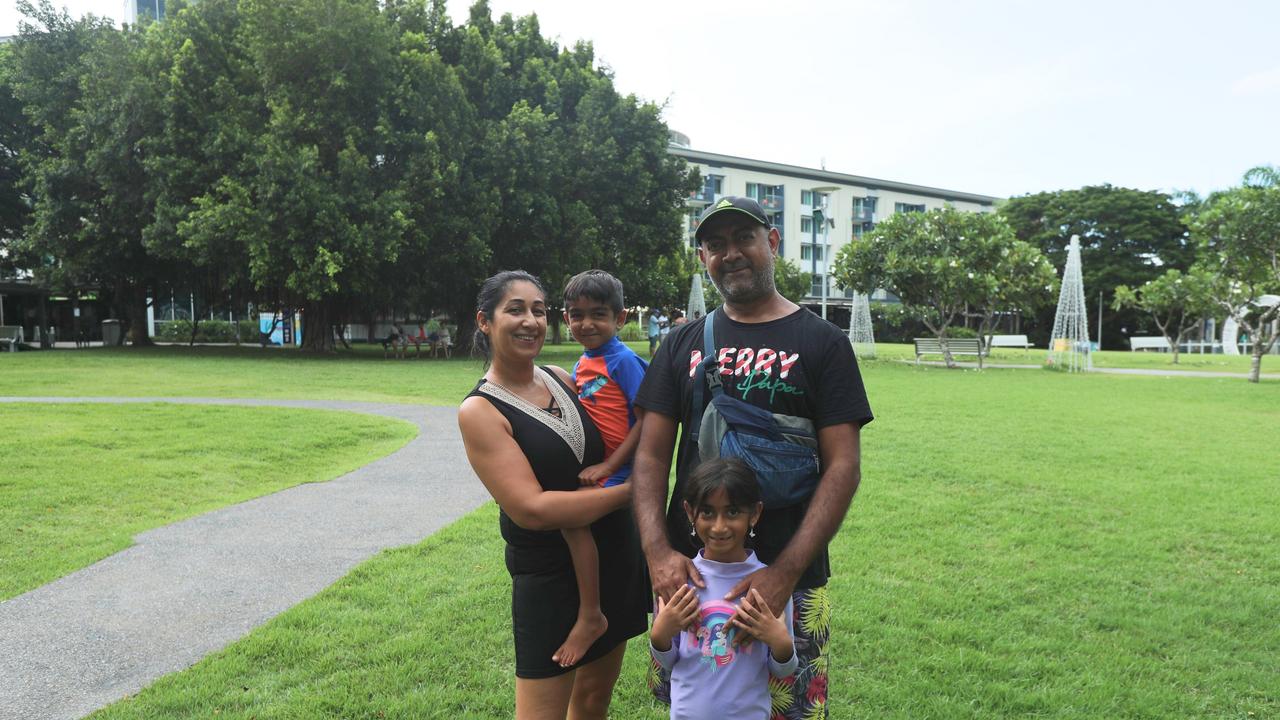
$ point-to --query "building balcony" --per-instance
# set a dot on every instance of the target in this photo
(864, 215)
(700, 198)
(772, 203)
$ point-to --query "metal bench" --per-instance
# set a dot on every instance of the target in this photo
(1158, 343)
(10, 337)
(957, 346)
(1010, 341)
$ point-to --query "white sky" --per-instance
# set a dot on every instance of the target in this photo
(995, 97)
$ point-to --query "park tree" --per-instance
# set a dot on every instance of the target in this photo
(15, 199)
(1006, 275)
(91, 103)
(1239, 234)
(1127, 237)
(1177, 302)
(943, 261)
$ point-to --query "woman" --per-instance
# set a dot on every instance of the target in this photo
(527, 439)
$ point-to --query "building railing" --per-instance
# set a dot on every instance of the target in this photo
(772, 203)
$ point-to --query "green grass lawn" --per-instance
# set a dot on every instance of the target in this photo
(249, 372)
(1025, 544)
(79, 481)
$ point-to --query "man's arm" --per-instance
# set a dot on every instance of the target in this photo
(668, 569)
(841, 458)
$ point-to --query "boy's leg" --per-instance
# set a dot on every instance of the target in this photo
(591, 622)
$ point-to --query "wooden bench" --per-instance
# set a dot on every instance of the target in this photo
(957, 346)
(1010, 341)
(10, 337)
(1148, 343)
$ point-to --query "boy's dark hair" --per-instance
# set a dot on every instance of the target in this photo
(595, 285)
(736, 477)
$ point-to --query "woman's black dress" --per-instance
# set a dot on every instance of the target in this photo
(544, 592)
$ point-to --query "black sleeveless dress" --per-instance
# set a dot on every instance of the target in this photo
(544, 592)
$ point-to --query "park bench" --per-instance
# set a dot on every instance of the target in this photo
(958, 346)
(1010, 341)
(1148, 343)
(10, 337)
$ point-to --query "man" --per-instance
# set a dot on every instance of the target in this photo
(654, 329)
(777, 356)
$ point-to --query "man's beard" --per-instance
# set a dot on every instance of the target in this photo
(744, 293)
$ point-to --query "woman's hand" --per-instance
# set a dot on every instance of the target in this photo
(674, 616)
(755, 617)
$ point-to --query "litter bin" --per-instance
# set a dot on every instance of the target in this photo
(110, 332)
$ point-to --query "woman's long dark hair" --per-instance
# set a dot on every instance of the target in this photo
(491, 293)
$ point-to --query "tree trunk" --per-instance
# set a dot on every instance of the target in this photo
(317, 327)
(42, 332)
(75, 317)
(136, 313)
(1255, 364)
(195, 323)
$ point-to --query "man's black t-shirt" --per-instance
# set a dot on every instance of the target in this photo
(797, 365)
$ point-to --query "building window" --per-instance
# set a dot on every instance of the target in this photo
(864, 209)
(807, 251)
(806, 224)
(815, 288)
(907, 207)
(769, 196)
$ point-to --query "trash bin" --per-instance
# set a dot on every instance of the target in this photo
(110, 332)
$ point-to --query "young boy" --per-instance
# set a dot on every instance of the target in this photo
(608, 377)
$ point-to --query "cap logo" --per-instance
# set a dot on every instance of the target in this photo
(724, 204)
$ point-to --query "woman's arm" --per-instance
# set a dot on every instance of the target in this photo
(499, 463)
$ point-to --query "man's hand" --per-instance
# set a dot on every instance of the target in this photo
(670, 618)
(773, 585)
(593, 474)
(671, 571)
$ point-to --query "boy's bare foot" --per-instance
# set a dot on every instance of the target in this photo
(585, 631)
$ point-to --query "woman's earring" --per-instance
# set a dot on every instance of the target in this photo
(753, 531)
(692, 532)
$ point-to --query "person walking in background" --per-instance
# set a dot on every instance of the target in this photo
(654, 329)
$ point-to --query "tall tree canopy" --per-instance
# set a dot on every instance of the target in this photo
(1127, 237)
(1239, 234)
(344, 157)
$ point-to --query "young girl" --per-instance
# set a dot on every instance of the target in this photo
(720, 655)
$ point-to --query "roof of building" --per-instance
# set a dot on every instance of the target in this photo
(715, 159)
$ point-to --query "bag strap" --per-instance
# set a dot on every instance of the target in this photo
(712, 377)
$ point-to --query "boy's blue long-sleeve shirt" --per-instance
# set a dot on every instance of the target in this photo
(608, 379)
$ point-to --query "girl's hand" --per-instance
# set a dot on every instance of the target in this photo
(755, 617)
(672, 617)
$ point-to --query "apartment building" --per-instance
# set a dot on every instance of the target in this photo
(854, 204)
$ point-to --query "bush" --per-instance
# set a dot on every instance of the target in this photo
(209, 331)
(632, 332)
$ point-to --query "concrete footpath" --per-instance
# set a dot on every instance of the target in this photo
(187, 589)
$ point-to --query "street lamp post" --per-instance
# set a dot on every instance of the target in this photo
(820, 216)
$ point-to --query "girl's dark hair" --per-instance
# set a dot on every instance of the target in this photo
(491, 293)
(736, 477)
